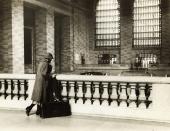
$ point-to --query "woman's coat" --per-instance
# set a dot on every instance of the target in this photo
(41, 81)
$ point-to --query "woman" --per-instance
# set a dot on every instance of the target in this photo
(41, 83)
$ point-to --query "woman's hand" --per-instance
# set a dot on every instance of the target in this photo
(53, 75)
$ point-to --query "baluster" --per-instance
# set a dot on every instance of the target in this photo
(142, 92)
(58, 89)
(8, 91)
(22, 89)
(128, 92)
(132, 96)
(118, 91)
(19, 89)
(96, 93)
(2, 90)
(105, 95)
(62, 85)
(68, 90)
(80, 90)
(72, 91)
(76, 88)
(147, 91)
(62, 90)
(25, 89)
(109, 90)
(92, 89)
(147, 95)
(142, 97)
(114, 95)
(5, 88)
(84, 89)
(123, 96)
(150, 89)
(12, 89)
(88, 93)
(105, 91)
(15, 91)
(137, 91)
(101, 90)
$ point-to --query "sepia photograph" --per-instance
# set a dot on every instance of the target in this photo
(85, 65)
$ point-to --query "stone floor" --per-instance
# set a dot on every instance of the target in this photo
(11, 120)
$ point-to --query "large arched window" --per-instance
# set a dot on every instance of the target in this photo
(147, 23)
(107, 23)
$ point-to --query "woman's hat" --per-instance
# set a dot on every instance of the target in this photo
(48, 56)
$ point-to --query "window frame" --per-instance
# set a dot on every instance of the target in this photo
(107, 47)
(147, 46)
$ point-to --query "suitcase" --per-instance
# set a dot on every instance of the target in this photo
(55, 109)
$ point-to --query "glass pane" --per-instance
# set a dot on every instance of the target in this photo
(107, 23)
(147, 23)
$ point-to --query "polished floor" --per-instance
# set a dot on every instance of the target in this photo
(11, 120)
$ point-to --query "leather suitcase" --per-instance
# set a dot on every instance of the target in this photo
(55, 109)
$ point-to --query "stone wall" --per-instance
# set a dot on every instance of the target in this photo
(82, 29)
(165, 51)
(6, 32)
(77, 38)
(1, 19)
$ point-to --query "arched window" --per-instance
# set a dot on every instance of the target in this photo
(147, 23)
(107, 23)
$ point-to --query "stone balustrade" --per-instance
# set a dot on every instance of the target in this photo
(139, 97)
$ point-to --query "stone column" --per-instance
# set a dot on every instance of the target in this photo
(40, 35)
(12, 43)
(17, 36)
(1, 19)
(126, 24)
(165, 50)
(50, 35)
(44, 34)
(67, 46)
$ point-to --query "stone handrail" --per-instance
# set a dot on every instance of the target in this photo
(140, 79)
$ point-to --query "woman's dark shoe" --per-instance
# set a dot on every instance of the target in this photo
(38, 110)
(28, 109)
(37, 113)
